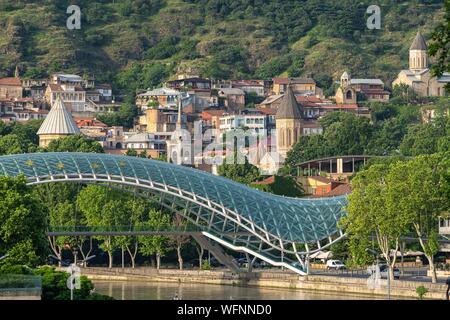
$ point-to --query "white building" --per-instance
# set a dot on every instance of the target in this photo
(240, 121)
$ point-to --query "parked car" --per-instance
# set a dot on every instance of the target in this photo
(335, 265)
(384, 272)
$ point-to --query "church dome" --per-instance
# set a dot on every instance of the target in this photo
(58, 121)
(418, 43)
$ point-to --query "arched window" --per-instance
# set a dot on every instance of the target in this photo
(349, 94)
(174, 157)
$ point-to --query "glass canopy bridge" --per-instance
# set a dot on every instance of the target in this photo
(275, 229)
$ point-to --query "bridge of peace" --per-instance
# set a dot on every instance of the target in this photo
(220, 213)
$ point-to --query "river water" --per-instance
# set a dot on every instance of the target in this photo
(134, 290)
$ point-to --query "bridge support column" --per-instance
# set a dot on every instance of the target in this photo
(217, 252)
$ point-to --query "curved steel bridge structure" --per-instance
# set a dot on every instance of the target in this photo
(275, 229)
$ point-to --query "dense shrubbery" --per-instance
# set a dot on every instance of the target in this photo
(283, 186)
(394, 130)
(53, 283)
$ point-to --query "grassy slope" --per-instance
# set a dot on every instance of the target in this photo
(35, 36)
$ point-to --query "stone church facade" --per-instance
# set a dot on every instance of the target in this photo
(419, 76)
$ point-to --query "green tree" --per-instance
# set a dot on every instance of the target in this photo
(137, 212)
(22, 223)
(414, 190)
(243, 173)
(11, 144)
(440, 46)
(179, 241)
(131, 152)
(426, 138)
(283, 186)
(54, 286)
(155, 245)
(343, 134)
(103, 209)
(75, 143)
(372, 213)
(59, 201)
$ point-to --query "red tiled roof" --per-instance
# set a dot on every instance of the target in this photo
(10, 82)
(24, 99)
(268, 180)
(208, 114)
(340, 190)
(89, 122)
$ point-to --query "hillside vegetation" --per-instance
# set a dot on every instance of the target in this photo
(138, 44)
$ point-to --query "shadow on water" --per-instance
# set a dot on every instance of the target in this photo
(133, 290)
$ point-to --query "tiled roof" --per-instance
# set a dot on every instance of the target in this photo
(10, 82)
(418, 43)
(89, 122)
(340, 190)
(367, 81)
(267, 111)
(55, 87)
(208, 114)
(289, 108)
(268, 180)
(294, 81)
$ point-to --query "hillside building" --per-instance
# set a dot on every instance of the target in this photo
(58, 124)
(418, 77)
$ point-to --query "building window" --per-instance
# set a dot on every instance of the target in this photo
(349, 94)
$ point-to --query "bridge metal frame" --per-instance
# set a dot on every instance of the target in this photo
(220, 223)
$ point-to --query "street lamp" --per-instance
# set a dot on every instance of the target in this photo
(72, 269)
(376, 254)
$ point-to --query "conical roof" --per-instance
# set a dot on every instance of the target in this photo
(418, 43)
(289, 108)
(58, 121)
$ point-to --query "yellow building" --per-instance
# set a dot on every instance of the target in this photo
(419, 76)
(288, 123)
(58, 124)
(302, 86)
(158, 120)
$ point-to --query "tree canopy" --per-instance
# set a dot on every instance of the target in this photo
(75, 143)
(22, 223)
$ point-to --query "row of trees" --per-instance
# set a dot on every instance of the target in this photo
(395, 199)
(26, 213)
(72, 206)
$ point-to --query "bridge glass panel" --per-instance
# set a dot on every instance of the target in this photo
(289, 219)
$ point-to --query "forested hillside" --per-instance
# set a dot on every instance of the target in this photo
(138, 44)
